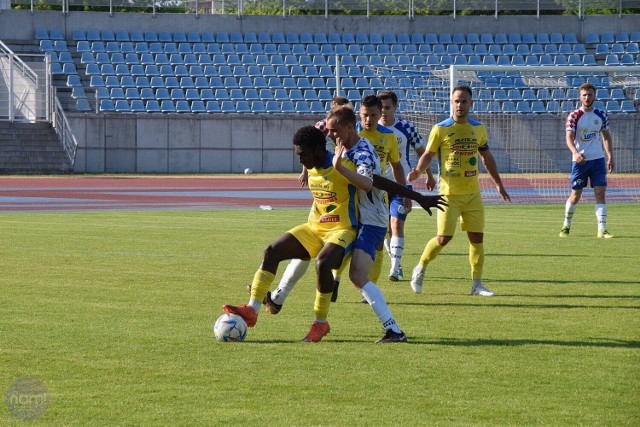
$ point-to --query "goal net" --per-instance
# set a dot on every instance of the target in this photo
(524, 109)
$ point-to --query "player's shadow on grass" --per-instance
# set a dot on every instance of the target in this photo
(482, 342)
(493, 304)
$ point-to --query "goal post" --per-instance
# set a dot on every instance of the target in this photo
(524, 109)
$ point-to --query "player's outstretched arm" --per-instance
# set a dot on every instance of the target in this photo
(491, 167)
(427, 202)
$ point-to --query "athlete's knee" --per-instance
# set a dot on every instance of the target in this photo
(443, 240)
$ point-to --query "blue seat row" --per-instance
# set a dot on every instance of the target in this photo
(214, 106)
(331, 38)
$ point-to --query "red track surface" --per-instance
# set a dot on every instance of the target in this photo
(75, 193)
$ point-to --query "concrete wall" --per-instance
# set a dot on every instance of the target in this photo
(21, 24)
(141, 143)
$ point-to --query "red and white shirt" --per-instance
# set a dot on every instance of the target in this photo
(587, 126)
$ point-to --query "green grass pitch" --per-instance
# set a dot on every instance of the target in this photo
(113, 313)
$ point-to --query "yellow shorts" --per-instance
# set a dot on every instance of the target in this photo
(314, 240)
(468, 208)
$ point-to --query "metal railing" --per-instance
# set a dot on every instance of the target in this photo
(410, 8)
(26, 95)
(64, 131)
(26, 92)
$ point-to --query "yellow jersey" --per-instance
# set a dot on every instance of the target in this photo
(457, 146)
(384, 141)
(335, 200)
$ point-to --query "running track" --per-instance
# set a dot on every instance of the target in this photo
(97, 193)
(81, 193)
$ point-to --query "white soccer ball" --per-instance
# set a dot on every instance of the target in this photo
(248, 171)
(230, 327)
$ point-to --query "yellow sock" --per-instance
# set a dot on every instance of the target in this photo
(430, 252)
(476, 259)
(321, 305)
(376, 268)
(262, 281)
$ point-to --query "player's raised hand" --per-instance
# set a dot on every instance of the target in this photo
(428, 202)
(340, 149)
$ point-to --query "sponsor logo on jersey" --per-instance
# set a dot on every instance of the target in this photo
(330, 218)
(470, 173)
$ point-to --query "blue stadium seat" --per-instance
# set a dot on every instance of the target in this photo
(243, 107)
(302, 107)
(500, 38)
(213, 107)
(152, 106)
(542, 38)
(486, 38)
(206, 94)
(162, 94)
(146, 93)
(266, 94)
(613, 106)
(167, 106)
(626, 59)
(611, 60)
(627, 106)
(553, 107)
(127, 82)
(92, 70)
(82, 105)
(96, 81)
(106, 105)
(607, 37)
(116, 93)
(272, 107)
(183, 107)
(122, 106)
(287, 107)
(317, 107)
(258, 106)
(375, 38)
(136, 106)
(278, 37)
(514, 38)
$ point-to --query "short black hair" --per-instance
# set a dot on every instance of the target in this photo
(371, 101)
(463, 88)
(389, 94)
(309, 137)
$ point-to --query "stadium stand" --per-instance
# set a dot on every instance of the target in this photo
(249, 69)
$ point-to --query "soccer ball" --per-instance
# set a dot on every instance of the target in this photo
(248, 171)
(230, 327)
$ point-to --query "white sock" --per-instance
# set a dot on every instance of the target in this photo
(601, 216)
(292, 274)
(387, 246)
(376, 300)
(569, 210)
(254, 304)
(397, 248)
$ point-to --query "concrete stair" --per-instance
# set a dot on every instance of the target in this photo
(31, 148)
